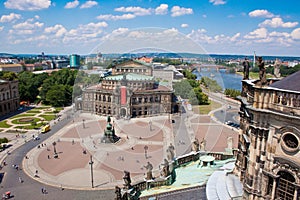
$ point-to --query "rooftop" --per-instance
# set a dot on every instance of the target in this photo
(290, 83)
(130, 77)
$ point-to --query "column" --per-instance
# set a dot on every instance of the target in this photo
(295, 193)
(274, 188)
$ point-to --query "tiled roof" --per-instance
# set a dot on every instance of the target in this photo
(130, 77)
(291, 83)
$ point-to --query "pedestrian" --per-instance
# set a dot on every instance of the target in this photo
(20, 180)
(42, 189)
(48, 157)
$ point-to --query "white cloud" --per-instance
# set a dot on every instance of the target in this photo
(89, 4)
(37, 17)
(184, 25)
(27, 25)
(116, 17)
(261, 13)
(296, 34)
(1, 28)
(162, 9)
(137, 11)
(72, 4)
(277, 22)
(9, 18)
(179, 11)
(279, 34)
(258, 33)
(85, 32)
(59, 30)
(27, 4)
(204, 16)
(217, 2)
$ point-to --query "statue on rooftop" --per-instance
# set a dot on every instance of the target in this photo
(165, 170)
(171, 152)
(149, 168)
(195, 145)
(262, 71)
(202, 145)
(277, 65)
(118, 193)
(246, 68)
(127, 180)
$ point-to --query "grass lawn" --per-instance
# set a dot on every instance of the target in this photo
(49, 113)
(48, 117)
(3, 124)
(34, 111)
(23, 115)
(17, 121)
(205, 109)
(42, 107)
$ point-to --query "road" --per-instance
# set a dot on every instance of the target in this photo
(30, 188)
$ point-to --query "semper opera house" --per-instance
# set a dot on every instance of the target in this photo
(131, 91)
(268, 160)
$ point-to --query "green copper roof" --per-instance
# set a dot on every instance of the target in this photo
(130, 77)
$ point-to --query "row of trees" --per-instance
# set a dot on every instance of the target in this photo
(211, 84)
(232, 92)
(55, 89)
(190, 89)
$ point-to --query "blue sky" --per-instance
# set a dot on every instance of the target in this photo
(214, 26)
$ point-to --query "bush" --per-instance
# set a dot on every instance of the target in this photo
(3, 140)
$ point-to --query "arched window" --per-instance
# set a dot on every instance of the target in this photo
(285, 186)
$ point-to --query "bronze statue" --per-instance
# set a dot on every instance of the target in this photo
(246, 68)
(262, 71)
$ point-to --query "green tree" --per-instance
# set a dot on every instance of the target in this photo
(56, 95)
(211, 84)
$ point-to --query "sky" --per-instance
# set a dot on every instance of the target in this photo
(116, 26)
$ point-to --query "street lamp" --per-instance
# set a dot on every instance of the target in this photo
(54, 149)
(83, 125)
(92, 177)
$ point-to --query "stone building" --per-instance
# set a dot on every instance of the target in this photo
(9, 96)
(268, 161)
(130, 91)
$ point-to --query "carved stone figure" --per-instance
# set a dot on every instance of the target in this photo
(165, 170)
(262, 71)
(118, 193)
(149, 168)
(127, 180)
(246, 68)
(195, 145)
(170, 152)
(277, 65)
(202, 145)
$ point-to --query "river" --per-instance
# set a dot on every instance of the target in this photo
(224, 79)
